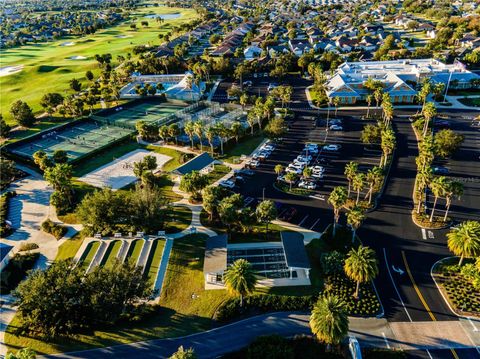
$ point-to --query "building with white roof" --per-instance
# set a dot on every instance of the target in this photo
(400, 78)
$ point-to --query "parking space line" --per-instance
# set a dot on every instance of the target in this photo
(424, 234)
(386, 341)
(429, 355)
(303, 220)
(475, 329)
(313, 225)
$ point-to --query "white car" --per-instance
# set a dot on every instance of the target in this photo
(318, 169)
(307, 185)
(336, 128)
(271, 87)
(331, 147)
(293, 170)
(248, 83)
(335, 121)
(311, 144)
(227, 184)
(298, 164)
(269, 148)
(306, 158)
(317, 175)
(253, 163)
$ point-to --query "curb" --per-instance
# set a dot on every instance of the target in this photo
(447, 224)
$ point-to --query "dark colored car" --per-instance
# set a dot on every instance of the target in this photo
(440, 170)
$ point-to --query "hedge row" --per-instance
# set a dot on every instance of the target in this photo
(263, 303)
(5, 230)
(56, 230)
(16, 270)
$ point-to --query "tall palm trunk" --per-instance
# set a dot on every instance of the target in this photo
(349, 187)
(461, 260)
(357, 290)
(358, 196)
(446, 210)
(433, 209)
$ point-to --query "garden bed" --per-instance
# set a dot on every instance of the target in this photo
(422, 220)
(284, 187)
(460, 293)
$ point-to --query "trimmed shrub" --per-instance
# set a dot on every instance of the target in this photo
(263, 303)
(5, 229)
(27, 247)
(56, 230)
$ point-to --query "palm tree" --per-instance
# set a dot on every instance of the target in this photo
(278, 169)
(369, 100)
(329, 320)
(377, 95)
(251, 119)
(338, 198)
(240, 278)
(307, 172)
(336, 102)
(422, 180)
(429, 112)
(237, 130)
(439, 188)
(388, 143)
(189, 130)
(210, 135)
(454, 189)
(174, 131)
(361, 266)
(290, 177)
(198, 129)
(358, 184)
(355, 218)
(351, 170)
(464, 240)
(374, 177)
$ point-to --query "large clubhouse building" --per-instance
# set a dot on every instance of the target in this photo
(400, 78)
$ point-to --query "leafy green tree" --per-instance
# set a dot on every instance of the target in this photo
(174, 131)
(439, 186)
(464, 240)
(22, 113)
(371, 134)
(147, 131)
(4, 128)
(182, 353)
(41, 159)
(211, 196)
(163, 132)
(266, 212)
(229, 208)
(338, 198)
(329, 320)
(388, 143)
(278, 169)
(210, 135)
(361, 266)
(50, 101)
(193, 183)
(60, 156)
(198, 129)
(89, 75)
(290, 177)
(429, 111)
(374, 178)
(148, 207)
(447, 142)
(358, 184)
(276, 128)
(189, 131)
(240, 278)
(454, 189)
(75, 85)
(237, 130)
(7, 171)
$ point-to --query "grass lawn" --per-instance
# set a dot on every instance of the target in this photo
(154, 258)
(171, 164)
(106, 156)
(69, 248)
(111, 253)
(89, 254)
(245, 146)
(217, 173)
(185, 308)
(257, 233)
(165, 183)
(179, 218)
(134, 250)
(475, 102)
(48, 67)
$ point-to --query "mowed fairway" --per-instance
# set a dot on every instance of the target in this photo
(47, 67)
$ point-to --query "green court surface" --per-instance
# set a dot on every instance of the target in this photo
(111, 253)
(134, 250)
(154, 258)
(76, 139)
(88, 254)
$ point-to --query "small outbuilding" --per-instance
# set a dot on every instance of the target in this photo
(215, 262)
(203, 163)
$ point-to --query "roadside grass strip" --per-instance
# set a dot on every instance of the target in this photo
(245, 146)
(111, 254)
(217, 173)
(153, 262)
(134, 250)
(178, 219)
(89, 254)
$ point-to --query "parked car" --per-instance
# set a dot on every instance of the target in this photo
(244, 172)
(232, 97)
(442, 124)
(317, 175)
(305, 158)
(335, 121)
(249, 202)
(253, 163)
(227, 184)
(271, 86)
(248, 83)
(440, 170)
(307, 185)
(318, 169)
(297, 164)
(292, 169)
(268, 147)
(336, 128)
(332, 148)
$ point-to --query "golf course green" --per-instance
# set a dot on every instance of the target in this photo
(37, 69)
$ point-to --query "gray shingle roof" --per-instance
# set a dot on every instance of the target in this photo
(295, 252)
(215, 254)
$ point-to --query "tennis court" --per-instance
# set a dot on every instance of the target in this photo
(148, 112)
(77, 139)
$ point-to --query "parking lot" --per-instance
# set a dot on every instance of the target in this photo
(312, 211)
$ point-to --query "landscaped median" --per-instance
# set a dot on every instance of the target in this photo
(460, 286)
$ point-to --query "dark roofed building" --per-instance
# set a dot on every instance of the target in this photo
(215, 262)
(202, 163)
(295, 253)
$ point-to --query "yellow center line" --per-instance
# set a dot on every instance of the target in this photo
(422, 299)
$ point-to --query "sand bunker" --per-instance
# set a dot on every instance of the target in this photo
(67, 44)
(10, 70)
(123, 36)
(78, 57)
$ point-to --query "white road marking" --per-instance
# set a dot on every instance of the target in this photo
(386, 341)
(313, 225)
(303, 220)
(430, 235)
(394, 285)
(424, 233)
(398, 270)
(430, 355)
(475, 329)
